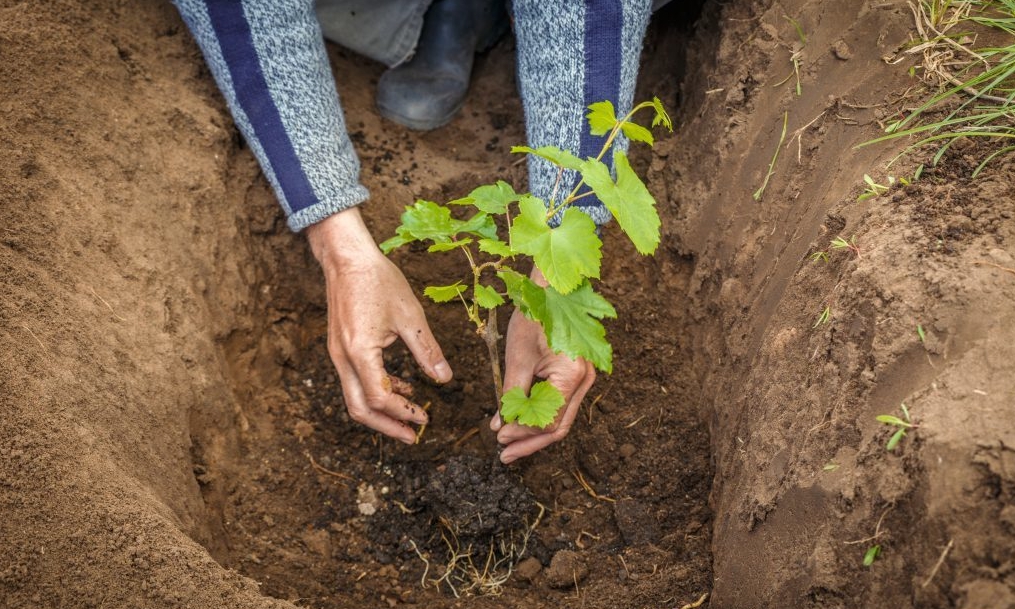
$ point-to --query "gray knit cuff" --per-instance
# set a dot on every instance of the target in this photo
(329, 207)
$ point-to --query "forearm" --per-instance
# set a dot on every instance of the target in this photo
(572, 54)
(269, 61)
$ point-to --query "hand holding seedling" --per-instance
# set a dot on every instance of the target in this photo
(370, 305)
(556, 333)
(527, 357)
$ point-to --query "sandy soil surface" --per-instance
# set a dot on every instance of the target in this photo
(172, 434)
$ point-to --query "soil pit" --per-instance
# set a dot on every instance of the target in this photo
(173, 434)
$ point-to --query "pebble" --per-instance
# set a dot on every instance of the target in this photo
(842, 51)
(566, 569)
(627, 450)
(528, 569)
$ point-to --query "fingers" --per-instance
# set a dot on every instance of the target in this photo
(421, 342)
(521, 441)
(371, 397)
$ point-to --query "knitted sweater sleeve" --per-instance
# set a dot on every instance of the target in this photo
(571, 54)
(269, 61)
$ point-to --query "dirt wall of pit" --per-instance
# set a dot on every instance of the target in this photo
(126, 275)
(804, 485)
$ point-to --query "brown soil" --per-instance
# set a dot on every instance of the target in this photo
(173, 435)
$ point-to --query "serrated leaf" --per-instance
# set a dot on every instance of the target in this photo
(495, 247)
(521, 289)
(895, 439)
(561, 158)
(427, 220)
(627, 198)
(570, 321)
(661, 117)
(637, 133)
(567, 254)
(538, 409)
(487, 297)
(491, 198)
(447, 247)
(444, 293)
(480, 225)
(602, 117)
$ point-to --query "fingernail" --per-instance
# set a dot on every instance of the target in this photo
(442, 371)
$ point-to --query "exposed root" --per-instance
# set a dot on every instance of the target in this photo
(462, 576)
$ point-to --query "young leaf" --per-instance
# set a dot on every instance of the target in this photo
(895, 439)
(538, 409)
(427, 220)
(661, 116)
(495, 247)
(871, 555)
(628, 199)
(491, 198)
(447, 247)
(892, 420)
(561, 158)
(637, 133)
(446, 292)
(602, 117)
(480, 225)
(487, 297)
(521, 290)
(567, 254)
(394, 243)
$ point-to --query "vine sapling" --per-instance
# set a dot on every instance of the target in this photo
(560, 241)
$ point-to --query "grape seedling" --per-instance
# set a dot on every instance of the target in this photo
(560, 241)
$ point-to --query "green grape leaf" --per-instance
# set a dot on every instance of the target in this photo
(637, 133)
(661, 117)
(487, 297)
(521, 290)
(567, 254)
(572, 325)
(480, 225)
(627, 198)
(538, 409)
(394, 243)
(570, 321)
(427, 220)
(495, 247)
(447, 247)
(561, 158)
(602, 117)
(491, 198)
(444, 293)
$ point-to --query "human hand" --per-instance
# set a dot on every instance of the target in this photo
(528, 356)
(370, 304)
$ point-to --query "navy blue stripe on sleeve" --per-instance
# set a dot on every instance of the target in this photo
(252, 94)
(604, 26)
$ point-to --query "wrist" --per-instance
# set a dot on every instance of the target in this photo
(341, 238)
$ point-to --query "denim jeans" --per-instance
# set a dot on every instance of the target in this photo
(383, 30)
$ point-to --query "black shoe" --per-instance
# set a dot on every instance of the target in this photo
(427, 91)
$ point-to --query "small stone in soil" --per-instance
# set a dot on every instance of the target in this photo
(528, 569)
(566, 569)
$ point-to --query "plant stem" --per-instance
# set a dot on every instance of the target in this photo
(492, 337)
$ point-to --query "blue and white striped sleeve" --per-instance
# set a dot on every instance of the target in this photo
(269, 60)
(571, 54)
